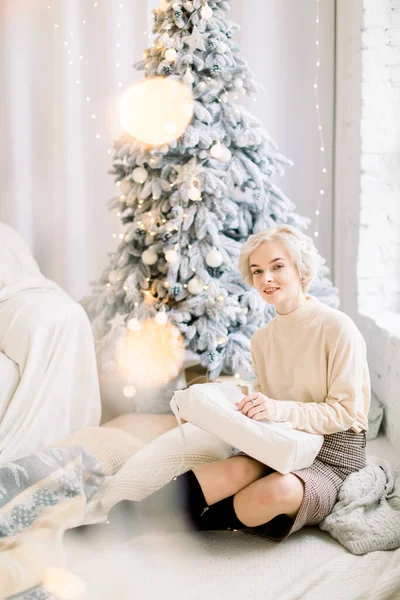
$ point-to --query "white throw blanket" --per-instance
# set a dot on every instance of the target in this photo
(48, 335)
(366, 516)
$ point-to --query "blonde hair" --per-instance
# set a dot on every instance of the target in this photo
(300, 247)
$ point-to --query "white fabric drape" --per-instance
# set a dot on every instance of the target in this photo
(54, 171)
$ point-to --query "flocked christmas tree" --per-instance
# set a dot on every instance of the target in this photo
(188, 206)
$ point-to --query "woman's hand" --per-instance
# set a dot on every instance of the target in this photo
(257, 406)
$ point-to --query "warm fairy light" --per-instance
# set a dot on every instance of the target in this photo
(157, 110)
(317, 106)
(151, 356)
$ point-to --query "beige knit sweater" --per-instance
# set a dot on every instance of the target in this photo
(313, 361)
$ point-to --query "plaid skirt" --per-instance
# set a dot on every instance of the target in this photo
(341, 453)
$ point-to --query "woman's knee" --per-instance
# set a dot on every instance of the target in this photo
(243, 470)
(285, 491)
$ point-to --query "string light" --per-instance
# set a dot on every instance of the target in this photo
(317, 106)
(67, 46)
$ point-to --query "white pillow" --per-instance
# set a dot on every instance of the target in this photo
(211, 406)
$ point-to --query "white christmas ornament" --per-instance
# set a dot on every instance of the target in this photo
(188, 78)
(226, 156)
(195, 286)
(139, 175)
(149, 107)
(161, 318)
(221, 152)
(171, 55)
(214, 258)
(125, 186)
(222, 48)
(171, 256)
(224, 97)
(206, 12)
(133, 324)
(129, 391)
(113, 276)
(194, 193)
(238, 83)
(149, 257)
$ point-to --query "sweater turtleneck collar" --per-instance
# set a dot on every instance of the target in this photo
(301, 316)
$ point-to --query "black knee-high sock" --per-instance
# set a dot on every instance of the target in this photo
(220, 515)
(176, 506)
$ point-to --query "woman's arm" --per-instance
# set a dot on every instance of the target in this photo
(348, 382)
(256, 386)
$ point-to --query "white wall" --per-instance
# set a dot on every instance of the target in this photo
(278, 40)
(367, 223)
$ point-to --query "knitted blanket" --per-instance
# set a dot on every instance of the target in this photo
(41, 496)
(366, 516)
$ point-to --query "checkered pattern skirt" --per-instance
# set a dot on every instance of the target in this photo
(341, 453)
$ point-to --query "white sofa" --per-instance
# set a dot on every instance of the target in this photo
(49, 383)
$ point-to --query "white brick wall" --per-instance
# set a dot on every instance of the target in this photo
(367, 183)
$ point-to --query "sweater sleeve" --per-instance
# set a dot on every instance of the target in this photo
(338, 411)
(256, 386)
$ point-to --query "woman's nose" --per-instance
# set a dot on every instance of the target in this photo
(268, 277)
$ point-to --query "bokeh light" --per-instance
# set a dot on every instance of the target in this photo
(157, 110)
(152, 356)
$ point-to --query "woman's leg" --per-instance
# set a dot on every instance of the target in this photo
(224, 478)
(269, 497)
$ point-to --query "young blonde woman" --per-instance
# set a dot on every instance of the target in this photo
(311, 370)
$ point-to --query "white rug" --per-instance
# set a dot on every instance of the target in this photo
(308, 565)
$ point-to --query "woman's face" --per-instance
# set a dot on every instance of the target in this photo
(275, 276)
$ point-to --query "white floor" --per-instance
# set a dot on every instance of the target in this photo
(309, 565)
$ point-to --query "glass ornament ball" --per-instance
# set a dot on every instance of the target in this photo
(238, 83)
(206, 12)
(194, 193)
(171, 256)
(222, 48)
(188, 78)
(161, 318)
(220, 152)
(139, 175)
(125, 186)
(170, 55)
(214, 258)
(149, 257)
(113, 276)
(195, 286)
(157, 110)
(133, 324)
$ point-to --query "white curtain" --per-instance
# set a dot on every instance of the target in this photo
(54, 181)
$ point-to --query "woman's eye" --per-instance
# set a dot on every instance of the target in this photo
(278, 267)
(256, 272)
